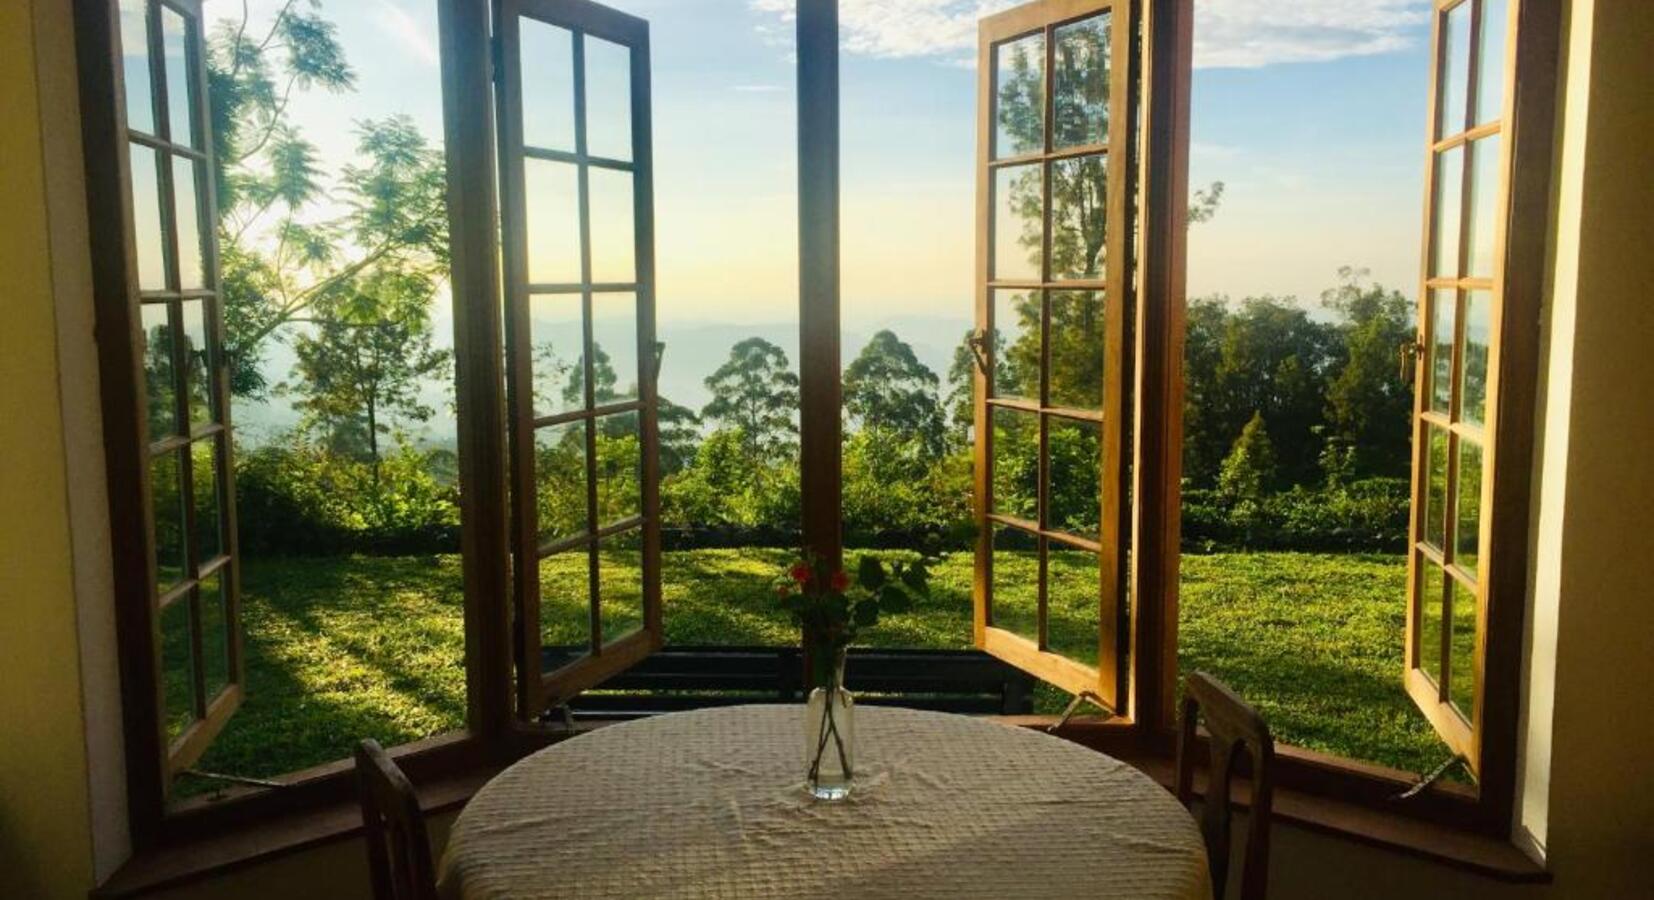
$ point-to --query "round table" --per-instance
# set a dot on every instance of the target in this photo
(712, 804)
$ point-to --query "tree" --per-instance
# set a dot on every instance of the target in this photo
(363, 360)
(1369, 406)
(887, 388)
(1249, 470)
(284, 246)
(680, 432)
(757, 392)
(1266, 356)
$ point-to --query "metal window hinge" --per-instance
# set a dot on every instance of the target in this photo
(559, 715)
(1435, 775)
(1408, 355)
(1074, 706)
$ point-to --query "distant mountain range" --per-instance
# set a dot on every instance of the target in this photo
(694, 350)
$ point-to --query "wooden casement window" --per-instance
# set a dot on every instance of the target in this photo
(1051, 309)
(578, 220)
(166, 387)
(1474, 372)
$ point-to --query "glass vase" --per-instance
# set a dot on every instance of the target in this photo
(830, 734)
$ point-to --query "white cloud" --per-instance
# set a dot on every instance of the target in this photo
(416, 38)
(1252, 33)
(1232, 33)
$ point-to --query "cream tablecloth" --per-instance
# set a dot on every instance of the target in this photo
(712, 804)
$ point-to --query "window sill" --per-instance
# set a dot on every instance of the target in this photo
(274, 836)
(1481, 854)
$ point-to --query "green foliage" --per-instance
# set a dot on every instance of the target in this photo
(1249, 470)
(725, 485)
(887, 389)
(362, 362)
(892, 486)
(832, 609)
(284, 254)
(297, 498)
(1367, 515)
(1369, 406)
(756, 392)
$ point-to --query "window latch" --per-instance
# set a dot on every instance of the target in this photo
(978, 341)
(1074, 705)
(1435, 775)
(1407, 356)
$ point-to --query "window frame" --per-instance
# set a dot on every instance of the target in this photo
(1530, 77)
(537, 690)
(1106, 680)
(494, 732)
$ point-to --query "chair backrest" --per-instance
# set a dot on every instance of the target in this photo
(1233, 727)
(399, 851)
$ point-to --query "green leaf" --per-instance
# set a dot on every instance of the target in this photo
(867, 613)
(870, 574)
(917, 580)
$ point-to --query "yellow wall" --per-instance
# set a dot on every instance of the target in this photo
(45, 837)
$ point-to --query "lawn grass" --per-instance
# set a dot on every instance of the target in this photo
(343, 648)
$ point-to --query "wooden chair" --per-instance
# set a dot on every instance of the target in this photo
(1232, 726)
(399, 851)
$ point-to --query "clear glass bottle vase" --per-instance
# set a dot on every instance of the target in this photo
(830, 733)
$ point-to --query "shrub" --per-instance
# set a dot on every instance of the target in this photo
(294, 498)
(1366, 516)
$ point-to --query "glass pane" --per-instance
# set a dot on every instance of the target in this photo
(1482, 230)
(619, 469)
(1015, 463)
(620, 584)
(140, 101)
(159, 386)
(180, 86)
(1449, 201)
(1077, 343)
(1490, 64)
(1019, 96)
(1079, 217)
(608, 99)
(146, 215)
(1013, 602)
(1017, 344)
(1478, 314)
(1468, 524)
(560, 480)
(547, 53)
(167, 494)
(1019, 230)
(614, 347)
(177, 668)
(1435, 491)
(209, 541)
(551, 192)
(1081, 76)
(556, 335)
(1445, 310)
(1431, 611)
(565, 607)
(192, 275)
(197, 364)
(1454, 76)
(1073, 603)
(614, 244)
(1076, 453)
(1461, 673)
(215, 635)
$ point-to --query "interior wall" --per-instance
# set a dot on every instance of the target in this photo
(45, 834)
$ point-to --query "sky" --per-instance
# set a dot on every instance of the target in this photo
(1312, 112)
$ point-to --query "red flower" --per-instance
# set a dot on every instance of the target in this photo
(801, 573)
(840, 581)
(782, 590)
